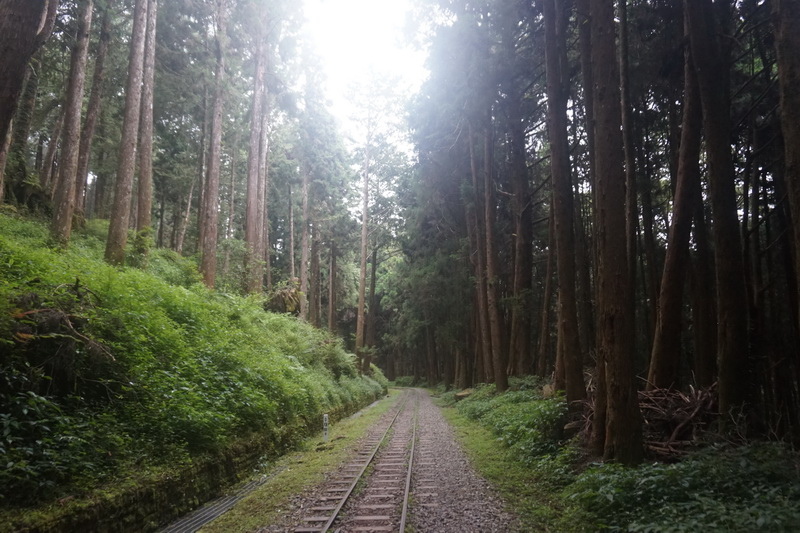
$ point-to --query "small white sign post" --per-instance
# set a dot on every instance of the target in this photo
(325, 428)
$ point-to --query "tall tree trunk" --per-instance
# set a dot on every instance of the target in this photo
(292, 267)
(17, 173)
(208, 246)
(492, 276)
(586, 266)
(64, 205)
(332, 290)
(254, 267)
(49, 167)
(665, 356)
(263, 173)
(544, 327)
(314, 317)
(24, 26)
(144, 204)
(304, 245)
(523, 251)
(362, 273)
(787, 45)
(370, 333)
(181, 237)
(704, 308)
(623, 432)
(711, 61)
(483, 345)
(92, 113)
(555, 17)
(631, 209)
(126, 161)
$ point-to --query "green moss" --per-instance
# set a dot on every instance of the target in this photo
(297, 472)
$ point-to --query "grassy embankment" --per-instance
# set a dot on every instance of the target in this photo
(514, 440)
(112, 374)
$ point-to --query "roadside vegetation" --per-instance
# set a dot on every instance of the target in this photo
(516, 440)
(107, 371)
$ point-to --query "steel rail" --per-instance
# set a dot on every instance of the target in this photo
(407, 491)
(352, 487)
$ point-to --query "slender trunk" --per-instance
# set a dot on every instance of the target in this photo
(92, 114)
(631, 209)
(304, 246)
(208, 246)
(253, 221)
(711, 61)
(46, 176)
(704, 309)
(623, 431)
(185, 221)
(362, 276)
(4, 147)
(544, 328)
(665, 356)
(144, 203)
(492, 277)
(373, 311)
(126, 161)
(292, 268)
(19, 131)
(555, 16)
(64, 205)
(263, 171)
(332, 290)
(483, 346)
(523, 252)
(315, 280)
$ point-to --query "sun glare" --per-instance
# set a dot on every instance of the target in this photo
(354, 38)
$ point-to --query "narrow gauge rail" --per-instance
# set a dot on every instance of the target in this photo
(383, 497)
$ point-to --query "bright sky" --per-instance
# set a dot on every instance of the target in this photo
(353, 37)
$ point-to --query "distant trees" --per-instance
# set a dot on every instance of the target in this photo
(637, 158)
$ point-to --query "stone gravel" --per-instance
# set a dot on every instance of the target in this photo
(448, 495)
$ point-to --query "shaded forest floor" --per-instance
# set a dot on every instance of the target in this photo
(516, 440)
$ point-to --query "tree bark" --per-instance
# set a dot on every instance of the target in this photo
(492, 277)
(24, 26)
(120, 211)
(544, 326)
(362, 273)
(208, 246)
(665, 356)
(304, 245)
(64, 204)
(787, 45)
(711, 62)
(623, 431)
(332, 290)
(254, 267)
(92, 113)
(144, 204)
(555, 17)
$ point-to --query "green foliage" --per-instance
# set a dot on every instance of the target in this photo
(751, 488)
(528, 423)
(105, 368)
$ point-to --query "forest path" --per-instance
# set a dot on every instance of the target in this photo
(446, 494)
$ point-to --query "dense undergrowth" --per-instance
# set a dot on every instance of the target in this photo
(743, 488)
(106, 370)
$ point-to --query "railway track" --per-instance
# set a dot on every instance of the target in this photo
(371, 492)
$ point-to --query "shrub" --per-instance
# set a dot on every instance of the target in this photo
(111, 367)
(752, 488)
